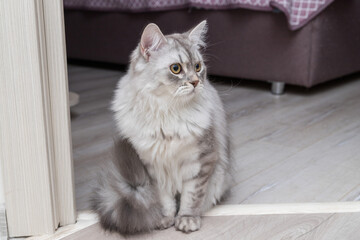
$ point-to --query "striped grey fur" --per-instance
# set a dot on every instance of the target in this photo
(125, 198)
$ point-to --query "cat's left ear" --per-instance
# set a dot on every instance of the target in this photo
(152, 39)
(197, 34)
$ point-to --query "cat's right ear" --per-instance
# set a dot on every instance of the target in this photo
(152, 40)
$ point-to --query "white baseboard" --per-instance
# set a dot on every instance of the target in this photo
(88, 218)
(284, 208)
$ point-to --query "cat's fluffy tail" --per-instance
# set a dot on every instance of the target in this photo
(125, 198)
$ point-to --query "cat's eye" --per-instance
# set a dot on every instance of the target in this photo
(175, 68)
(198, 67)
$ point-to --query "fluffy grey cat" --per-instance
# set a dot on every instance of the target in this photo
(173, 139)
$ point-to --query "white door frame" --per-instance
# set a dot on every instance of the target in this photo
(35, 137)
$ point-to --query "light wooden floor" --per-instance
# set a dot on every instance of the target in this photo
(303, 146)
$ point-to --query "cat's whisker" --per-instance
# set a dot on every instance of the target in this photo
(209, 45)
(228, 90)
(208, 56)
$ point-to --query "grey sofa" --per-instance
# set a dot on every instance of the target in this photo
(242, 43)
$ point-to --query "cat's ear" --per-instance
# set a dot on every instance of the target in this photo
(197, 34)
(152, 40)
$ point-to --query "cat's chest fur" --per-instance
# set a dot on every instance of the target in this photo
(171, 157)
(167, 142)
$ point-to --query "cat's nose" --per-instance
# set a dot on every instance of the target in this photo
(195, 83)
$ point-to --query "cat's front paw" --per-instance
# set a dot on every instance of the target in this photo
(187, 223)
(166, 222)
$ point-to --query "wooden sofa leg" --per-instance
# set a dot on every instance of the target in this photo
(277, 88)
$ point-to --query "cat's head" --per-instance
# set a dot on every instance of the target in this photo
(173, 64)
